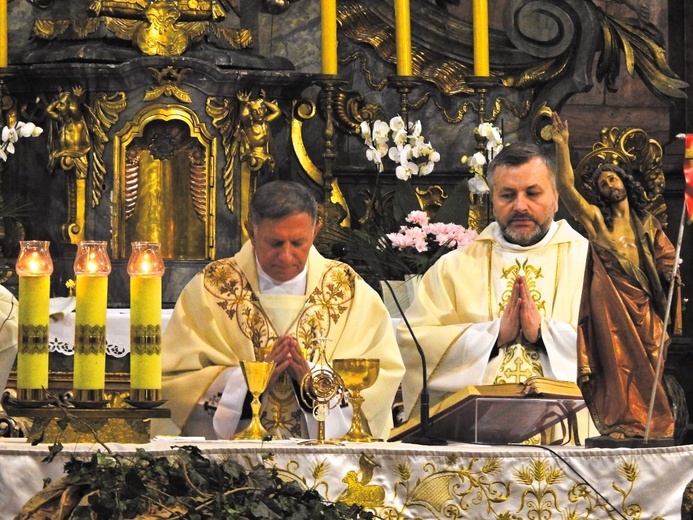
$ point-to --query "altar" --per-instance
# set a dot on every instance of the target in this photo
(398, 480)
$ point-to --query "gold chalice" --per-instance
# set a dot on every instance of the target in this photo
(257, 375)
(357, 374)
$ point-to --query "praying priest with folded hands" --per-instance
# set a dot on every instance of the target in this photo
(274, 299)
(504, 307)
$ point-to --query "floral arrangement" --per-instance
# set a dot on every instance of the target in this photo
(410, 150)
(492, 140)
(11, 134)
(381, 246)
(411, 250)
(425, 236)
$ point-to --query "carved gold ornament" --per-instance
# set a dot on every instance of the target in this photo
(156, 27)
(78, 132)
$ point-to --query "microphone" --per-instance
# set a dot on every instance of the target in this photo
(422, 436)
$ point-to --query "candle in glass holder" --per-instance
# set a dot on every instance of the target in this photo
(34, 267)
(328, 27)
(92, 267)
(145, 267)
(480, 25)
(403, 37)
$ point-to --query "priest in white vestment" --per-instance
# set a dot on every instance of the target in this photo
(276, 295)
(504, 307)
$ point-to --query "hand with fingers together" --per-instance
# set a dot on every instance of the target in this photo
(520, 315)
(288, 357)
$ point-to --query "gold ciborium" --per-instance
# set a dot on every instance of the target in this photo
(357, 374)
(257, 375)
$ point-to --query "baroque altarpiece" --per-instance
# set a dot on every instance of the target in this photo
(161, 116)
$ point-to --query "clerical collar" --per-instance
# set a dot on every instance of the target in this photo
(295, 286)
(498, 235)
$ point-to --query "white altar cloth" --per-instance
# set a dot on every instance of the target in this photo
(61, 333)
(407, 481)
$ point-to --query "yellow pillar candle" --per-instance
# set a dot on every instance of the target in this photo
(328, 18)
(32, 356)
(145, 267)
(3, 33)
(92, 268)
(403, 37)
(90, 332)
(34, 267)
(480, 24)
(145, 332)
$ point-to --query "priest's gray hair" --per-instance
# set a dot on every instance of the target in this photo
(517, 154)
(279, 199)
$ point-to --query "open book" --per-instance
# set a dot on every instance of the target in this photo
(499, 414)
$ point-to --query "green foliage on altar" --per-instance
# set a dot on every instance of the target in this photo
(188, 485)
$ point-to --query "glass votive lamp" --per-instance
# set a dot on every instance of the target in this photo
(92, 267)
(34, 267)
(146, 268)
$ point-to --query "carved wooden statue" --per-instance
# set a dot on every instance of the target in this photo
(621, 321)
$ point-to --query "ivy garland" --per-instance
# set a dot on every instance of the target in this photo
(186, 486)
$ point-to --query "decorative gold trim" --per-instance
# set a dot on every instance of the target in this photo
(222, 111)
(106, 112)
(169, 81)
(33, 339)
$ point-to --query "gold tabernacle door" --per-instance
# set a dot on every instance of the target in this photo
(499, 414)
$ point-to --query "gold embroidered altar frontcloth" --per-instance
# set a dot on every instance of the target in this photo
(398, 480)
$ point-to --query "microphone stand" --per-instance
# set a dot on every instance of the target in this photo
(422, 436)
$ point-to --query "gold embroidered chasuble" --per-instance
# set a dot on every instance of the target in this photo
(456, 313)
(219, 319)
(281, 414)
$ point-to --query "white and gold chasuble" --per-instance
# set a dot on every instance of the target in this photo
(219, 319)
(456, 314)
(281, 413)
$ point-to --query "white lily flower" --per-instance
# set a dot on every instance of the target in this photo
(380, 130)
(485, 130)
(478, 185)
(397, 123)
(382, 148)
(374, 156)
(406, 146)
(406, 170)
(405, 154)
(495, 150)
(399, 137)
(11, 135)
(477, 160)
(366, 133)
(426, 168)
(415, 129)
(25, 129)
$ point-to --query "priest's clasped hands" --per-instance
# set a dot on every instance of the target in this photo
(288, 358)
(520, 316)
